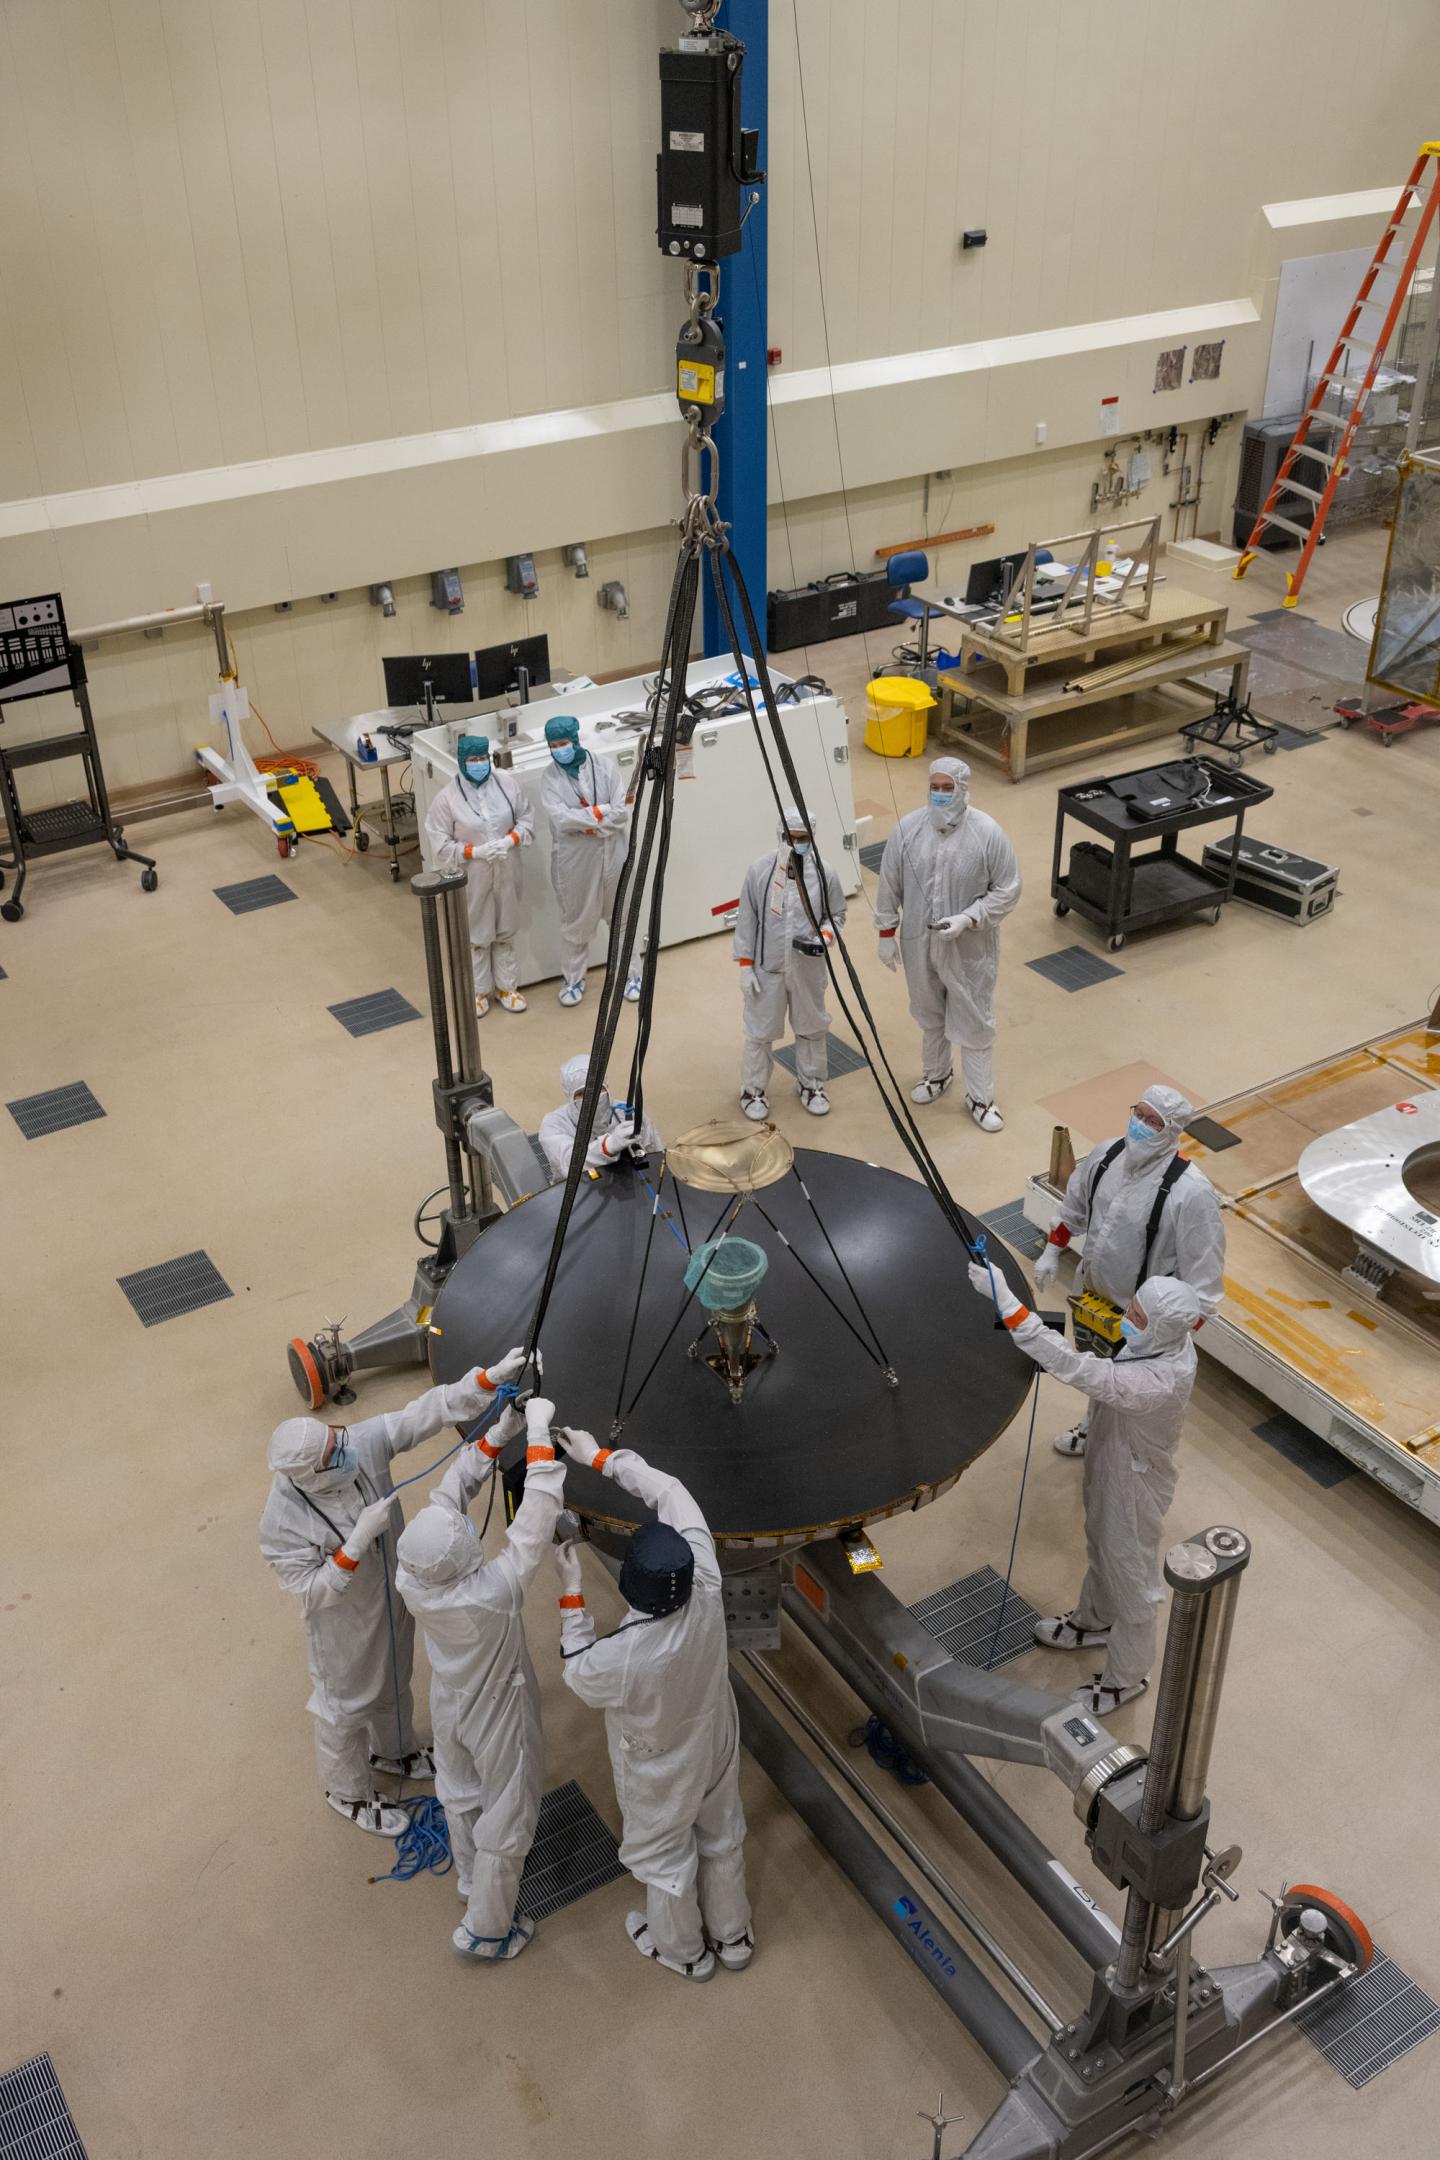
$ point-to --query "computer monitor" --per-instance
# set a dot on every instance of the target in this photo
(989, 581)
(448, 674)
(497, 667)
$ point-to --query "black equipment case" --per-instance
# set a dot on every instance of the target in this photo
(830, 608)
(1272, 878)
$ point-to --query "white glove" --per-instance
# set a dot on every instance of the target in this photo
(754, 988)
(611, 1145)
(581, 1447)
(567, 1567)
(373, 1521)
(539, 1417)
(507, 1427)
(1047, 1267)
(508, 1368)
(889, 951)
(494, 849)
(989, 1283)
(951, 926)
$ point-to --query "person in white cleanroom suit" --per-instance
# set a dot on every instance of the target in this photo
(948, 879)
(331, 1503)
(780, 945)
(611, 1131)
(663, 1680)
(584, 796)
(481, 824)
(484, 1697)
(1137, 1407)
(1111, 1200)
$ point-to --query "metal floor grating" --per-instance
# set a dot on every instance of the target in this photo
(1012, 1224)
(1326, 1465)
(871, 853)
(1074, 968)
(1371, 2023)
(844, 1058)
(253, 893)
(35, 2123)
(174, 1287)
(368, 1015)
(1212, 1135)
(55, 1111)
(962, 1616)
(574, 1852)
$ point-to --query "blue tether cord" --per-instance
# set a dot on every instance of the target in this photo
(1024, 1468)
(424, 1848)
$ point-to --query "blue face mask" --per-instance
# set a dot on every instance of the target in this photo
(566, 754)
(800, 847)
(1142, 1133)
(344, 1461)
(939, 801)
(1131, 1329)
(478, 770)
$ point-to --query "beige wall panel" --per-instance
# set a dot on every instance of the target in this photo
(28, 268)
(426, 67)
(187, 381)
(236, 136)
(477, 243)
(345, 182)
(391, 210)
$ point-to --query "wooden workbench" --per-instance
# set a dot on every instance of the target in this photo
(992, 698)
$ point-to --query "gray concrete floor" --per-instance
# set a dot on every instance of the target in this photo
(190, 1932)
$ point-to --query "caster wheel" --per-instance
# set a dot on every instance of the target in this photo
(1387, 742)
(285, 848)
(1062, 907)
(1345, 1932)
(306, 1374)
(1270, 748)
(362, 840)
(12, 911)
(394, 873)
(1117, 944)
(149, 879)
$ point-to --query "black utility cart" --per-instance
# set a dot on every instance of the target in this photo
(37, 660)
(1119, 890)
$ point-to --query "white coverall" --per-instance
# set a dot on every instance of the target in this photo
(495, 813)
(778, 978)
(1138, 1401)
(674, 1736)
(930, 870)
(484, 1697)
(360, 1708)
(1190, 1240)
(558, 1127)
(586, 853)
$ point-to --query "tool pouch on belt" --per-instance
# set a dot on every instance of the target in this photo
(1096, 1324)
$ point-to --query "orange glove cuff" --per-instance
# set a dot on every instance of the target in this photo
(469, 852)
(1013, 1320)
(747, 963)
(488, 1451)
(1060, 1235)
(343, 1560)
(572, 1604)
(887, 933)
(602, 1456)
(514, 839)
(539, 1454)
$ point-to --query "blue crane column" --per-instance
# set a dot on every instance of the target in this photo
(740, 436)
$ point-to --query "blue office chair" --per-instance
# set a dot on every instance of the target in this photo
(912, 568)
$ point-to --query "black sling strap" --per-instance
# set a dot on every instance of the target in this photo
(1174, 1170)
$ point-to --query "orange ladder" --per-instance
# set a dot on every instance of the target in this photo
(1341, 373)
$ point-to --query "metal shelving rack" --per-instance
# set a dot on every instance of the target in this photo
(38, 660)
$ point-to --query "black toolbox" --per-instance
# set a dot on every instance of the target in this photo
(832, 607)
(1272, 878)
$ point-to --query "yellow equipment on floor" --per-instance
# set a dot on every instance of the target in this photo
(1097, 1324)
(899, 719)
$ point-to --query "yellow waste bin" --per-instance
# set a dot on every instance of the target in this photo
(899, 716)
